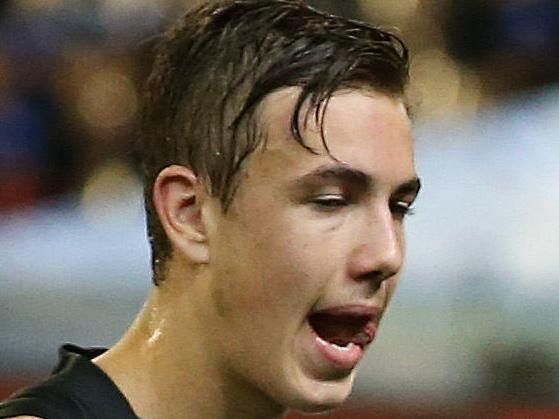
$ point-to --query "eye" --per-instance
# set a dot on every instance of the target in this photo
(329, 202)
(402, 208)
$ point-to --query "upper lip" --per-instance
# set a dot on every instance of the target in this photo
(357, 310)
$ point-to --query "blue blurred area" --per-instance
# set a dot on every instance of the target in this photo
(68, 277)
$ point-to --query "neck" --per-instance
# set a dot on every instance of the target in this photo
(166, 367)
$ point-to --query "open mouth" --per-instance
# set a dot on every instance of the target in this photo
(343, 327)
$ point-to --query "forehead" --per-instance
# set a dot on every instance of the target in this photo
(364, 130)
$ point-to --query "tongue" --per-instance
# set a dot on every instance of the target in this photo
(341, 329)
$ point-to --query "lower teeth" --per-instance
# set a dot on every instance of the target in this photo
(349, 346)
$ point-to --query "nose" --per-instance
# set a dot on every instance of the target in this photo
(378, 253)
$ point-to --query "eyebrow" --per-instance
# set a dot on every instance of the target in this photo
(338, 172)
(356, 177)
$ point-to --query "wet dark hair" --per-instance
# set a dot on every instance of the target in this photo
(216, 65)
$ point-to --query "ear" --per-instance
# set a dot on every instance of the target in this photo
(178, 197)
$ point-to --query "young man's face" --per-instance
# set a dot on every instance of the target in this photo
(307, 258)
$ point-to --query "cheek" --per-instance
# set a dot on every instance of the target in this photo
(275, 268)
(286, 276)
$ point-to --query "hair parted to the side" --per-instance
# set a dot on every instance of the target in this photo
(216, 65)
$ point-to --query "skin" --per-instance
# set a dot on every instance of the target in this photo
(226, 333)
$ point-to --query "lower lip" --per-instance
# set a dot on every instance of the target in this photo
(339, 358)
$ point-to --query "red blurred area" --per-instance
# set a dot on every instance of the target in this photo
(383, 410)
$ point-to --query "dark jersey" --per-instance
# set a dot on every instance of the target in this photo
(77, 389)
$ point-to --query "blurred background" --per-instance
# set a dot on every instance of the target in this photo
(471, 332)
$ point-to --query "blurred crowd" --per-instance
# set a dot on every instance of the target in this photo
(71, 73)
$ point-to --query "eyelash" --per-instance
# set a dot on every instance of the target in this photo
(333, 202)
(329, 202)
(402, 208)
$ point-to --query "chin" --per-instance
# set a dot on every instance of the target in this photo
(318, 397)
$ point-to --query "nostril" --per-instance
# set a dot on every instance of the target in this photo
(375, 278)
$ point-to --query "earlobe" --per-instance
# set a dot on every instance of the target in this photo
(178, 198)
